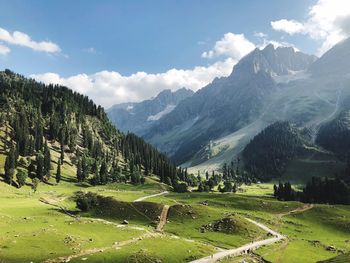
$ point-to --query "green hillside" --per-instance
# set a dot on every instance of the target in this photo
(47, 126)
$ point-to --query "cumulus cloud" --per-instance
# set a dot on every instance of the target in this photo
(289, 26)
(328, 21)
(4, 50)
(232, 45)
(22, 39)
(109, 87)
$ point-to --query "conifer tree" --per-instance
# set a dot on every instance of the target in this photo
(62, 153)
(58, 172)
(79, 171)
(10, 163)
(39, 166)
(47, 160)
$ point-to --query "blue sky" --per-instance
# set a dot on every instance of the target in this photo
(106, 42)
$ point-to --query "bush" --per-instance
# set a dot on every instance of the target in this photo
(85, 202)
(21, 178)
(180, 187)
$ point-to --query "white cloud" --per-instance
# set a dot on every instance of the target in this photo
(22, 39)
(232, 45)
(109, 87)
(260, 34)
(4, 50)
(289, 26)
(328, 21)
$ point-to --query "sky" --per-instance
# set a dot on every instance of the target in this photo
(122, 51)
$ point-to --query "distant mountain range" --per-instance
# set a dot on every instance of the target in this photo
(273, 84)
(138, 117)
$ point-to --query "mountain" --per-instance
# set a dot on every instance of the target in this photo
(43, 127)
(334, 62)
(217, 121)
(139, 117)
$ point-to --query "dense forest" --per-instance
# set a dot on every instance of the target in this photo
(335, 135)
(36, 119)
(268, 153)
(317, 190)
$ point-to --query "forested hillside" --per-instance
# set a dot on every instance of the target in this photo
(38, 120)
(268, 153)
(335, 135)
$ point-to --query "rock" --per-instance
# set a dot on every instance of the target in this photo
(205, 202)
(331, 248)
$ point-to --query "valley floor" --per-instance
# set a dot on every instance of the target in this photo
(46, 227)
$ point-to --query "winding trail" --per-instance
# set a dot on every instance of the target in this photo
(304, 208)
(253, 245)
(149, 196)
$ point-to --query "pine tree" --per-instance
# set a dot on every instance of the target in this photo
(79, 171)
(103, 172)
(10, 163)
(31, 169)
(85, 168)
(62, 153)
(47, 160)
(58, 172)
(39, 167)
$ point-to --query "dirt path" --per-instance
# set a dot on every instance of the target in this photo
(245, 248)
(149, 196)
(253, 245)
(304, 208)
(163, 218)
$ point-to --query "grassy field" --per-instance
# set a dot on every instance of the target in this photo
(34, 231)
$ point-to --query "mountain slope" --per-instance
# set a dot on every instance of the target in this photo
(335, 135)
(267, 155)
(226, 105)
(138, 117)
(38, 121)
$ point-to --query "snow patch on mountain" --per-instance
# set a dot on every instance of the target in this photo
(164, 112)
(291, 76)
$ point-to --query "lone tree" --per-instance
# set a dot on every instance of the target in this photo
(58, 172)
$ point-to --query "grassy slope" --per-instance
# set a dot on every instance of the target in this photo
(310, 233)
(314, 163)
(338, 259)
(38, 231)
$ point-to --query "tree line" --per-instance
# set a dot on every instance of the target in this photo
(317, 190)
